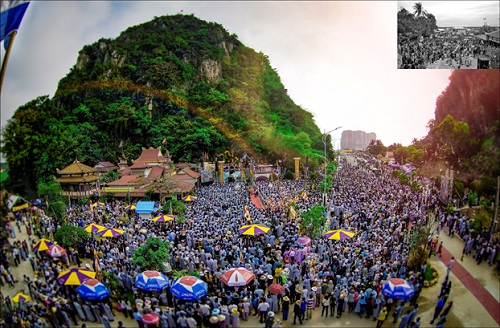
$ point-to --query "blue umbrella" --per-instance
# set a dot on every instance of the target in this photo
(398, 288)
(92, 290)
(189, 288)
(151, 281)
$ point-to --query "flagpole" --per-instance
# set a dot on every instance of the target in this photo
(6, 58)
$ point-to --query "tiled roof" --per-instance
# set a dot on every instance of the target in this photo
(126, 171)
(191, 173)
(75, 168)
(138, 165)
(155, 173)
(125, 180)
(182, 186)
(105, 167)
(150, 155)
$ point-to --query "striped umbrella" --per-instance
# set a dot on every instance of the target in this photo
(189, 288)
(21, 298)
(93, 290)
(398, 288)
(75, 276)
(151, 281)
(339, 234)
(56, 251)
(42, 245)
(163, 218)
(110, 232)
(253, 229)
(237, 277)
(130, 208)
(94, 227)
(189, 198)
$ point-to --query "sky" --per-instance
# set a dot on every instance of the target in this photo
(459, 13)
(336, 59)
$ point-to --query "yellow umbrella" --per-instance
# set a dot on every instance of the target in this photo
(339, 234)
(75, 276)
(110, 232)
(253, 229)
(94, 227)
(20, 297)
(96, 204)
(189, 198)
(42, 245)
(163, 218)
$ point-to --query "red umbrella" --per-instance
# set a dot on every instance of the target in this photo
(237, 277)
(150, 318)
(56, 251)
(276, 289)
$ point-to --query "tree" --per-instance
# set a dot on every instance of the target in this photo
(173, 206)
(312, 221)
(152, 255)
(110, 176)
(70, 235)
(376, 147)
(418, 251)
(419, 10)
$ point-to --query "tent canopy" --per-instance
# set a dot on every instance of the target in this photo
(145, 207)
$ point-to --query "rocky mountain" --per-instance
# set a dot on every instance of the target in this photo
(356, 139)
(177, 82)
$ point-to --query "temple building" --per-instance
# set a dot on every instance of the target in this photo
(78, 180)
(152, 172)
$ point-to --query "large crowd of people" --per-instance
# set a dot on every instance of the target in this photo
(445, 51)
(342, 278)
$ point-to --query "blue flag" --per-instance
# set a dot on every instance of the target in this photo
(11, 15)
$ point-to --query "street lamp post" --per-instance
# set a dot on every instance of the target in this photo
(325, 159)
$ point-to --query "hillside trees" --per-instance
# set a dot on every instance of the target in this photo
(176, 78)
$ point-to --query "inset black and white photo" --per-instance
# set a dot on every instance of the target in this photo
(448, 34)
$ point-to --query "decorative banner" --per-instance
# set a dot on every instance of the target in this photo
(118, 189)
(20, 207)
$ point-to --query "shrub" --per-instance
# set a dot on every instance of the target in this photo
(289, 175)
(177, 207)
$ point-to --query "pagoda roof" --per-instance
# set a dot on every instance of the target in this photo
(76, 168)
(151, 155)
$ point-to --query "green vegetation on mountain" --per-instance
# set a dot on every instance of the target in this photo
(176, 78)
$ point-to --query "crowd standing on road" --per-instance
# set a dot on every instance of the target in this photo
(344, 278)
(452, 51)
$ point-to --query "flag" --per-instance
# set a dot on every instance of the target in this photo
(242, 258)
(121, 144)
(11, 15)
(12, 201)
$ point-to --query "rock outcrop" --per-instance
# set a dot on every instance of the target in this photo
(356, 139)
